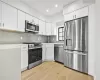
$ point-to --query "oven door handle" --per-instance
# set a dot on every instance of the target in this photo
(34, 48)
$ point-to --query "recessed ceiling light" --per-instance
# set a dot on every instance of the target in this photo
(56, 5)
(47, 10)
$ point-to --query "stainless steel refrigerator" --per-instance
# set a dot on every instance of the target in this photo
(76, 44)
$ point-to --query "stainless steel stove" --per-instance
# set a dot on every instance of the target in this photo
(34, 54)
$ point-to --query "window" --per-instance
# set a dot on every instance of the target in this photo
(61, 33)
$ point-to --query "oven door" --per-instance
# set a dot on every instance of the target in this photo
(34, 55)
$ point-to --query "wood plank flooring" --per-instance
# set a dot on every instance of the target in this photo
(53, 71)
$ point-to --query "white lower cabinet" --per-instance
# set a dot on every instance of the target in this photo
(48, 52)
(24, 57)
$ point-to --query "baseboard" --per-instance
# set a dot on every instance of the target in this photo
(23, 69)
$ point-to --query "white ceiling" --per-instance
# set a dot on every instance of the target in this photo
(42, 5)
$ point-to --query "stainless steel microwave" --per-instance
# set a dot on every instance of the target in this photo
(29, 27)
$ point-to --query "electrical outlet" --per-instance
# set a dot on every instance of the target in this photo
(21, 38)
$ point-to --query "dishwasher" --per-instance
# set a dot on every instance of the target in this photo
(59, 53)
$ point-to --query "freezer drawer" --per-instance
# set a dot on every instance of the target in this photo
(82, 63)
(59, 54)
(68, 59)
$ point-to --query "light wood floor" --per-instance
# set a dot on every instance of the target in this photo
(53, 71)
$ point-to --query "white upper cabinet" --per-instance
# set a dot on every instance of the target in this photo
(36, 21)
(69, 16)
(32, 19)
(9, 17)
(29, 17)
(44, 24)
(41, 27)
(53, 29)
(82, 12)
(48, 28)
(0, 14)
(21, 21)
(76, 14)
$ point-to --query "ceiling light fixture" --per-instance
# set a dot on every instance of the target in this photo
(56, 5)
(47, 10)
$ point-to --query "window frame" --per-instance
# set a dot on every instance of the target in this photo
(61, 32)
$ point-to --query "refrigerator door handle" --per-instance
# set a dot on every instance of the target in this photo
(66, 42)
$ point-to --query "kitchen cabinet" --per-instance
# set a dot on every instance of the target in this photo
(21, 21)
(36, 21)
(32, 19)
(48, 52)
(24, 57)
(9, 17)
(42, 27)
(69, 16)
(76, 14)
(82, 12)
(10, 59)
(48, 28)
(43, 52)
(29, 18)
(53, 29)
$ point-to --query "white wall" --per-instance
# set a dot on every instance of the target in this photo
(24, 7)
(97, 41)
(91, 41)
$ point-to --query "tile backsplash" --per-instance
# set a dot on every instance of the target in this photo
(18, 37)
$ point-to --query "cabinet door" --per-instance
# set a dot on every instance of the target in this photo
(50, 52)
(21, 21)
(24, 60)
(43, 52)
(69, 16)
(82, 12)
(24, 57)
(53, 29)
(48, 28)
(44, 30)
(41, 27)
(29, 17)
(9, 17)
(36, 20)
(0, 14)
